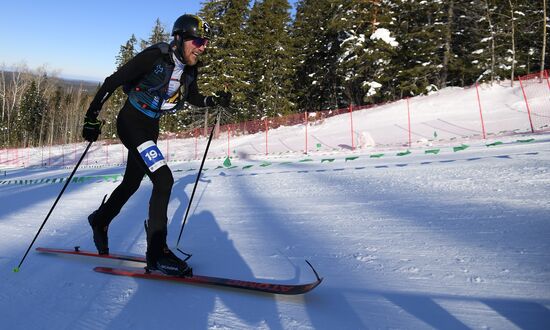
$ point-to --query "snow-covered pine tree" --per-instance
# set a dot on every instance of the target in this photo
(530, 42)
(32, 108)
(367, 42)
(316, 84)
(158, 34)
(224, 63)
(423, 36)
(271, 57)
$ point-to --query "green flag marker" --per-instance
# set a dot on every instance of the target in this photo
(351, 158)
(404, 153)
(376, 155)
(265, 164)
(330, 160)
(16, 270)
(247, 167)
(526, 141)
(306, 160)
(432, 151)
(496, 143)
(460, 148)
(227, 162)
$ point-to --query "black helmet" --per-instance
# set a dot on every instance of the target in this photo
(191, 26)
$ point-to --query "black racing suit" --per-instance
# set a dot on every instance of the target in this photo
(134, 128)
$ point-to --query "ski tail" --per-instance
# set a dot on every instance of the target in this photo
(76, 251)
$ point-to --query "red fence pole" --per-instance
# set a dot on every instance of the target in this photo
(305, 118)
(351, 123)
(480, 112)
(409, 121)
(547, 80)
(196, 142)
(266, 140)
(228, 140)
(527, 105)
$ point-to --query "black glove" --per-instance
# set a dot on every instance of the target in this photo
(222, 98)
(91, 129)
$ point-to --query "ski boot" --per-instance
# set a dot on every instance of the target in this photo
(101, 240)
(159, 257)
(168, 263)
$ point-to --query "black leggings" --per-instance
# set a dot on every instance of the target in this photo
(135, 128)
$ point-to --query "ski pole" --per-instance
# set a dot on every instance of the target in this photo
(195, 188)
(16, 269)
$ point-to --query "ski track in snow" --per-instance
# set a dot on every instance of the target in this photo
(455, 240)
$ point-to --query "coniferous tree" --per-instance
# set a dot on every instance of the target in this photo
(525, 30)
(423, 31)
(158, 34)
(468, 43)
(544, 34)
(271, 55)
(55, 108)
(33, 107)
(367, 41)
(530, 41)
(226, 67)
(316, 83)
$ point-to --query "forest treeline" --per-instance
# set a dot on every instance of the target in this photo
(326, 54)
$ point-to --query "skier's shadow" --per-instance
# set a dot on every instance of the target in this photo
(174, 306)
(216, 255)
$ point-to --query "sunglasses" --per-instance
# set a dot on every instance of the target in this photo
(199, 42)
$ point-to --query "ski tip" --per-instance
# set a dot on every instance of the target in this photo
(319, 279)
(16, 270)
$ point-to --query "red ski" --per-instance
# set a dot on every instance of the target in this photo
(274, 288)
(78, 252)
(288, 289)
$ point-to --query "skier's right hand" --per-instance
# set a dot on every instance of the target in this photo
(91, 129)
(222, 98)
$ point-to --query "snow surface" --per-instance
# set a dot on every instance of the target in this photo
(453, 240)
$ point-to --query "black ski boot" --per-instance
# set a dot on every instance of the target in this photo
(159, 257)
(169, 264)
(100, 232)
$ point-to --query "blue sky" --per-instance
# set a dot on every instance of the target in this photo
(80, 38)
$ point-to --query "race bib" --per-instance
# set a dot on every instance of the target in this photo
(151, 155)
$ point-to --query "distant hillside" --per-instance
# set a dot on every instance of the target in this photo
(88, 86)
